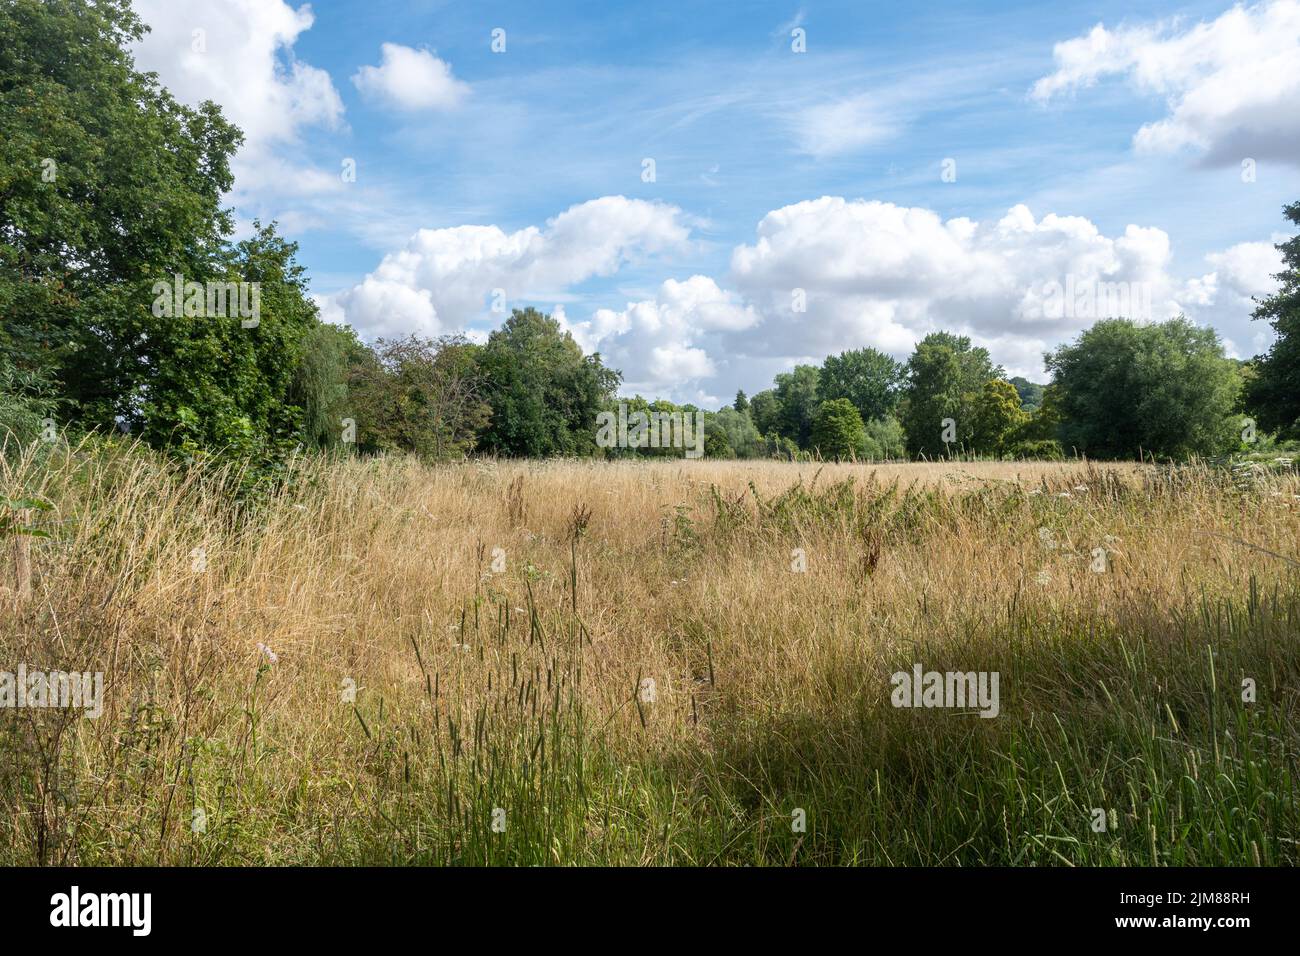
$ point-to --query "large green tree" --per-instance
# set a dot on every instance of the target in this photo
(424, 396)
(543, 392)
(997, 417)
(1125, 389)
(1273, 394)
(838, 433)
(868, 378)
(765, 410)
(797, 403)
(945, 376)
(109, 187)
(212, 382)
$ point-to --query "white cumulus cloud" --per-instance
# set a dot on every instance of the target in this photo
(445, 278)
(874, 273)
(870, 273)
(1225, 296)
(1231, 85)
(411, 79)
(663, 344)
(239, 53)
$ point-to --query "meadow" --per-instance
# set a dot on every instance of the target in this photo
(652, 663)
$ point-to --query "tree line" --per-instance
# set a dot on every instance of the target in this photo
(108, 186)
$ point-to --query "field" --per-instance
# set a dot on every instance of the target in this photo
(680, 662)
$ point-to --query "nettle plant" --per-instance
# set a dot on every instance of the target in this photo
(13, 517)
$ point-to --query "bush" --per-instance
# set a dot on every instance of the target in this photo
(25, 401)
(1044, 449)
(838, 433)
(885, 439)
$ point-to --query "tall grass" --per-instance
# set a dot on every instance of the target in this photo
(581, 663)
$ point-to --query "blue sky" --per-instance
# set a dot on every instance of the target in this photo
(1124, 148)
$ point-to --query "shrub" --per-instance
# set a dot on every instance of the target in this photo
(1045, 449)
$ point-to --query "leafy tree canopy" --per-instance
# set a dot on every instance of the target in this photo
(870, 379)
(1031, 393)
(543, 392)
(764, 410)
(108, 188)
(1274, 390)
(419, 395)
(996, 417)
(838, 432)
(1164, 389)
(945, 374)
(797, 403)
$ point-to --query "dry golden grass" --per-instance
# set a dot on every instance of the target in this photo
(371, 573)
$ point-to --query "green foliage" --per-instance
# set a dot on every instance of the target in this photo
(716, 442)
(1044, 422)
(797, 403)
(1031, 393)
(668, 445)
(764, 410)
(320, 382)
(1273, 394)
(944, 376)
(667, 424)
(1036, 449)
(417, 395)
(738, 429)
(633, 405)
(933, 394)
(976, 365)
(838, 433)
(870, 379)
(1127, 389)
(741, 404)
(26, 399)
(885, 438)
(111, 190)
(996, 416)
(543, 392)
(211, 382)
(108, 185)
